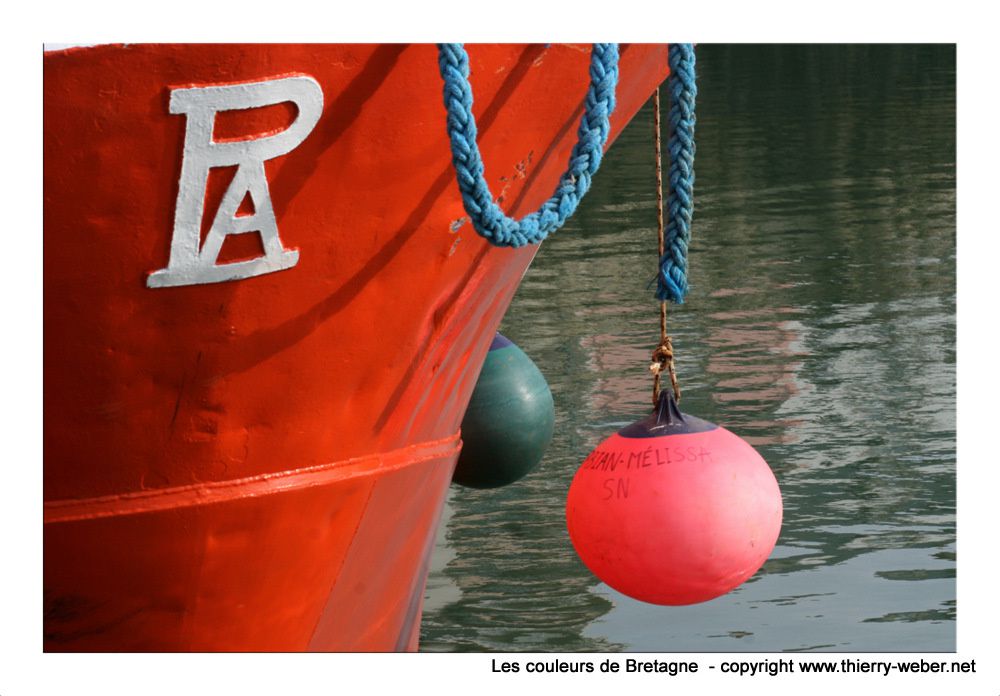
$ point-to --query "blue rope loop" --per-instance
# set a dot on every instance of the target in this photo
(671, 282)
(486, 216)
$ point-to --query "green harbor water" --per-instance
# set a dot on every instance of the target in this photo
(820, 327)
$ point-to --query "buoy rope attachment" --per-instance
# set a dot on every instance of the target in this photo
(671, 281)
(486, 216)
(663, 355)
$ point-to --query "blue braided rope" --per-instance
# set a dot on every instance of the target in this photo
(672, 280)
(486, 216)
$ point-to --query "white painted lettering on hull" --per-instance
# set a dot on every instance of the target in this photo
(193, 263)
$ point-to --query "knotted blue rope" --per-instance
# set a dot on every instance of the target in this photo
(486, 216)
(672, 282)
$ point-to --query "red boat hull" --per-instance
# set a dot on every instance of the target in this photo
(259, 464)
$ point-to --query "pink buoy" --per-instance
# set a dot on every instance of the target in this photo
(673, 509)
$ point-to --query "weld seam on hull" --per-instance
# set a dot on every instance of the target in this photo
(252, 486)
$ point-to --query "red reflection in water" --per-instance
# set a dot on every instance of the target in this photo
(753, 356)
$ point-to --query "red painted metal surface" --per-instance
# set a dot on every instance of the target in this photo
(260, 464)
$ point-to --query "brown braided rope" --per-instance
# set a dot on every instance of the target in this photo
(663, 355)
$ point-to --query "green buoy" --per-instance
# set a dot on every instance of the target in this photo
(509, 421)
